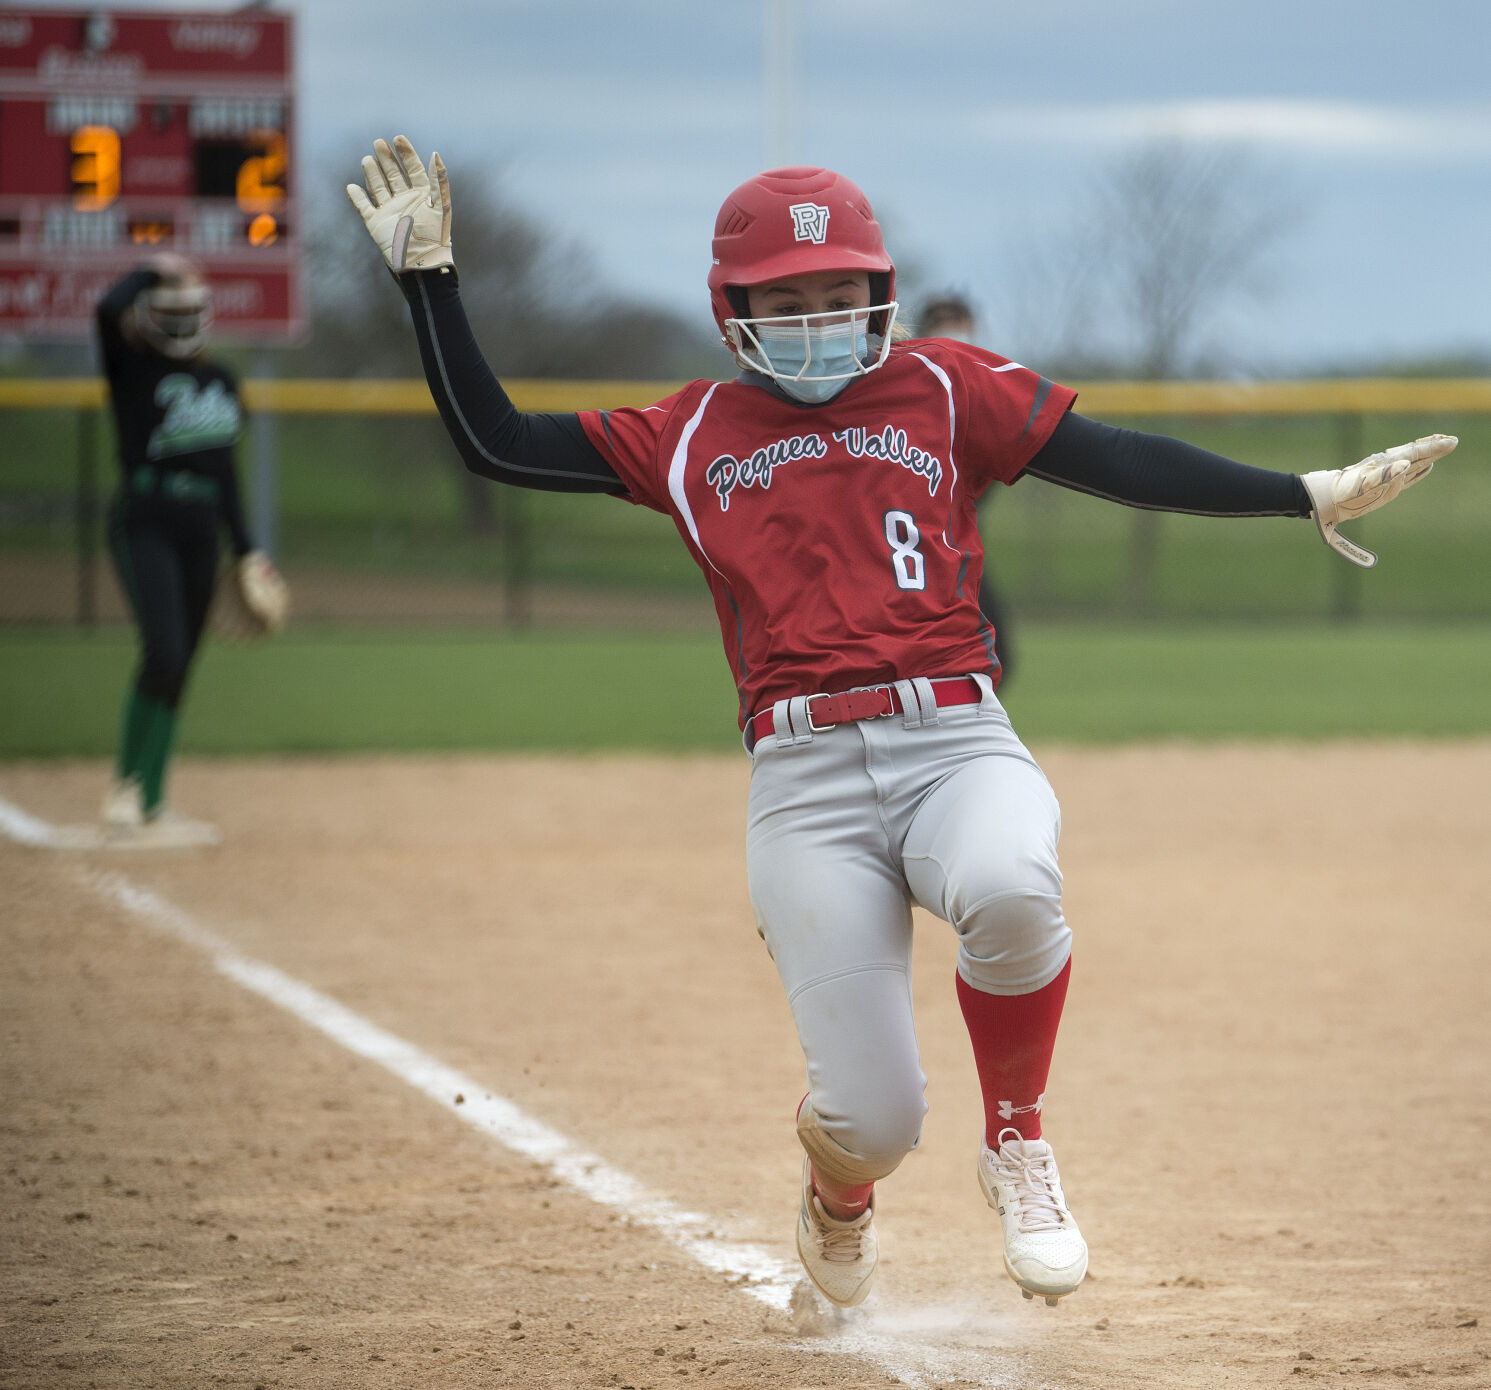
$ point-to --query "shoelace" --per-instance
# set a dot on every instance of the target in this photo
(1034, 1181)
(839, 1243)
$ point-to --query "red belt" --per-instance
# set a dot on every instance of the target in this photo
(878, 702)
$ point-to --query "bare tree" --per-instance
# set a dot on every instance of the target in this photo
(1171, 238)
(1188, 232)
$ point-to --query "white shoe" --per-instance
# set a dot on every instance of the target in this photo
(1044, 1252)
(839, 1256)
(122, 806)
(167, 829)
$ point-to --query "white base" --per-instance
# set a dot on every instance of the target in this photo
(166, 832)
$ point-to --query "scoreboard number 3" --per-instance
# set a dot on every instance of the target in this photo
(95, 167)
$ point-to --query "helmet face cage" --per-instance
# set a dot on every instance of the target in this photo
(174, 319)
(746, 342)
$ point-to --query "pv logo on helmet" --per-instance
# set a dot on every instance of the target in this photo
(809, 222)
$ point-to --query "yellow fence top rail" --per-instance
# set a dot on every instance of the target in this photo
(311, 396)
(1362, 395)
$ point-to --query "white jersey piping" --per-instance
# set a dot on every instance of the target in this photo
(952, 429)
(676, 471)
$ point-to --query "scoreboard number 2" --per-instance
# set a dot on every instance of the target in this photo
(260, 185)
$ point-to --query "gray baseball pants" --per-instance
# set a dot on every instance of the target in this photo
(847, 829)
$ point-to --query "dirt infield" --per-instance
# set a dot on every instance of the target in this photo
(1269, 1097)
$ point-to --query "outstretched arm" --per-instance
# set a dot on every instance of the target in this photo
(407, 213)
(1169, 475)
(1162, 474)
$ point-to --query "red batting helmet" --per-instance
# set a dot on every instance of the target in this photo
(792, 222)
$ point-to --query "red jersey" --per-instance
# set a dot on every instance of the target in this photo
(840, 541)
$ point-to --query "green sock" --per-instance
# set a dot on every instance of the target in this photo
(139, 714)
(154, 756)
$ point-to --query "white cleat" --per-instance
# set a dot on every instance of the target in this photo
(839, 1256)
(122, 808)
(1044, 1252)
(167, 829)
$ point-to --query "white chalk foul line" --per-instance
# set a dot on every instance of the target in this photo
(770, 1279)
(23, 827)
(753, 1268)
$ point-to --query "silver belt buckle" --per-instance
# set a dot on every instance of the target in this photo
(808, 706)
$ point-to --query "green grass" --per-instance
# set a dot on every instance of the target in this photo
(1092, 684)
(337, 692)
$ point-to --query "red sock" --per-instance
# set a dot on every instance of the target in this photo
(1013, 1036)
(842, 1200)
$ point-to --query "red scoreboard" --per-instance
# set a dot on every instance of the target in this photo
(127, 132)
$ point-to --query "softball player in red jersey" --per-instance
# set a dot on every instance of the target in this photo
(828, 495)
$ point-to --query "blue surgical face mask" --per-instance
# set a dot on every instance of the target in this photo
(828, 357)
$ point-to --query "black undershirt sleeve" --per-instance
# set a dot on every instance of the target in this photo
(552, 451)
(494, 438)
(110, 313)
(1161, 474)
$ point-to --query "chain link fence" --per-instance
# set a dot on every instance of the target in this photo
(356, 488)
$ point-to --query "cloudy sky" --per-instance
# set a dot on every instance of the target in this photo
(976, 127)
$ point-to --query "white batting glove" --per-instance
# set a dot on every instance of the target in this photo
(405, 213)
(1343, 494)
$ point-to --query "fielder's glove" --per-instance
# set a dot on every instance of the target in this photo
(1343, 494)
(405, 213)
(255, 600)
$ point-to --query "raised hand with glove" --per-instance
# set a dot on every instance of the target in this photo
(405, 212)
